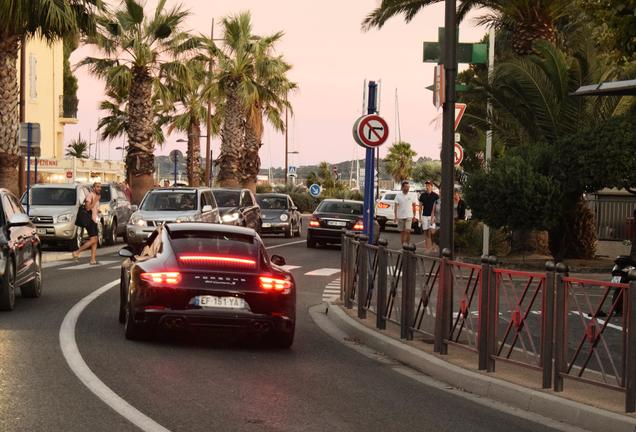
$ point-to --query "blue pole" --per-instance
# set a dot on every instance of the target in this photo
(35, 174)
(28, 188)
(369, 171)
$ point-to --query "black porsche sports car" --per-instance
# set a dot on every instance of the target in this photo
(207, 276)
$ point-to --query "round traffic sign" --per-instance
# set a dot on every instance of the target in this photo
(371, 131)
(69, 174)
(175, 155)
(314, 190)
(459, 154)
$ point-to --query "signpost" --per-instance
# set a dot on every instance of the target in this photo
(459, 154)
(460, 109)
(291, 171)
(315, 190)
(30, 144)
(175, 155)
(439, 92)
(370, 131)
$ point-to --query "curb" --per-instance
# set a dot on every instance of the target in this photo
(548, 405)
(51, 256)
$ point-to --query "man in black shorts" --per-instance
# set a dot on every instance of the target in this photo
(428, 201)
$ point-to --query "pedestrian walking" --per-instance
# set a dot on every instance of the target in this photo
(127, 191)
(166, 183)
(405, 212)
(459, 206)
(89, 220)
(428, 203)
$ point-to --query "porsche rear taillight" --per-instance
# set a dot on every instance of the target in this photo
(314, 222)
(161, 278)
(216, 259)
(274, 284)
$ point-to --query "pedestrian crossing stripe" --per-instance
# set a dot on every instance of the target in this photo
(331, 292)
(85, 266)
(290, 267)
(323, 272)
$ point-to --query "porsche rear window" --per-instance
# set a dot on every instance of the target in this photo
(213, 243)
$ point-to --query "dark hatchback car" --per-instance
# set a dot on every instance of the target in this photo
(238, 207)
(20, 253)
(205, 276)
(330, 218)
(280, 215)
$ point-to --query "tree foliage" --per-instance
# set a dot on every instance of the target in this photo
(399, 161)
(78, 148)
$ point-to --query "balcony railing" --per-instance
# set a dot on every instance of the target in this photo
(68, 106)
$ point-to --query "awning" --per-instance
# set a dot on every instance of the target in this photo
(611, 88)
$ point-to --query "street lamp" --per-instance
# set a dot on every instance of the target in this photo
(208, 160)
(123, 149)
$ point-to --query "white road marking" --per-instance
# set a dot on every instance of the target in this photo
(85, 374)
(85, 266)
(115, 267)
(331, 292)
(285, 244)
(323, 272)
(290, 267)
(53, 264)
(598, 320)
(76, 363)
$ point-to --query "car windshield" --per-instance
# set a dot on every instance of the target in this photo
(52, 197)
(105, 196)
(272, 203)
(170, 201)
(389, 197)
(226, 198)
(219, 248)
(341, 207)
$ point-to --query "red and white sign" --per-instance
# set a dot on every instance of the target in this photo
(371, 131)
(459, 154)
(69, 174)
(460, 109)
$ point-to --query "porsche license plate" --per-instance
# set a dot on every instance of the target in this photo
(220, 302)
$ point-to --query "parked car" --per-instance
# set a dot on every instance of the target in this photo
(163, 205)
(20, 252)
(53, 209)
(280, 215)
(331, 217)
(385, 211)
(115, 210)
(218, 277)
(238, 207)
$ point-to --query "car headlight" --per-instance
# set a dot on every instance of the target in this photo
(284, 217)
(185, 219)
(64, 218)
(232, 217)
(136, 219)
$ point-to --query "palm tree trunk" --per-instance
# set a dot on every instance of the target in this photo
(250, 160)
(9, 114)
(231, 141)
(140, 158)
(193, 164)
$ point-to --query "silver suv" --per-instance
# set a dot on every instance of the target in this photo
(53, 208)
(163, 205)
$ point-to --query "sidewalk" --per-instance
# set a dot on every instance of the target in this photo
(51, 256)
(581, 405)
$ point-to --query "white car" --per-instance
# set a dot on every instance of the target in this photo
(385, 210)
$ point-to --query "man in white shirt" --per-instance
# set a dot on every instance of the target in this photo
(404, 212)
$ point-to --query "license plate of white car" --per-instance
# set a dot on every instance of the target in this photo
(267, 225)
(220, 302)
(337, 223)
(41, 231)
(616, 279)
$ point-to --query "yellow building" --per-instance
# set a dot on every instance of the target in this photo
(44, 94)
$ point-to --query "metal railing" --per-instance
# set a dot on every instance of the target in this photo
(612, 216)
(564, 327)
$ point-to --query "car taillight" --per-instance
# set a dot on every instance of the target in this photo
(215, 259)
(382, 205)
(359, 226)
(269, 283)
(161, 278)
(314, 222)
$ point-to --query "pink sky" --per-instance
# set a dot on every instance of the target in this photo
(331, 58)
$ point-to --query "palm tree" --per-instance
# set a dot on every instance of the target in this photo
(138, 50)
(77, 148)
(526, 20)
(399, 161)
(51, 20)
(188, 91)
(267, 101)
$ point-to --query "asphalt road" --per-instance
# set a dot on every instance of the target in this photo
(204, 384)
